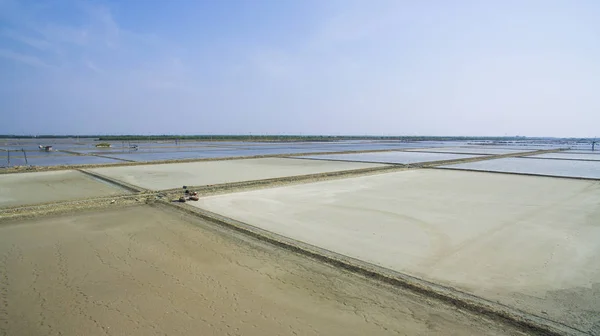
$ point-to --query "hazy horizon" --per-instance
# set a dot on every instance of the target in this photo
(185, 136)
(381, 68)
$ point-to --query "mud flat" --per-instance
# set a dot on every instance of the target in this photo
(531, 243)
(154, 271)
(176, 175)
(41, 187)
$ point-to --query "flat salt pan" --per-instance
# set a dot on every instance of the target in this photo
(528, 242)
(42, 187)
(548, 167)
(174, 175)
(391, 157)
(567, 156)
(469, 150)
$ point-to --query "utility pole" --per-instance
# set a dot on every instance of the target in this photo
(25, 155)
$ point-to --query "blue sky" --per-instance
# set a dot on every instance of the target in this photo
(300, 67)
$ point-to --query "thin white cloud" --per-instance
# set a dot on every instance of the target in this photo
(64, 34)
(67, 43)
(104, 24)
(22, 58)
(92, 66)
(30, 41)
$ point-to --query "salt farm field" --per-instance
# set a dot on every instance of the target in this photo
(137, 263)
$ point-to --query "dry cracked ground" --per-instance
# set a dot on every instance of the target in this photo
(154, 271)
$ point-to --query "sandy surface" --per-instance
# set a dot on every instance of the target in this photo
(529, 242)
(391, 157)
(549, 167)
(32, 188)
(176, 175)
(146, 271)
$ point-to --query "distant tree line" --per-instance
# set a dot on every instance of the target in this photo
(266, 138)
(10, 136)
(273, 138)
